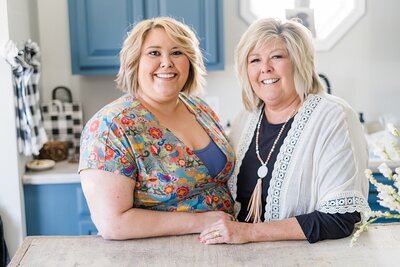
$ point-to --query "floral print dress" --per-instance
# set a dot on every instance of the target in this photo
(126, 139)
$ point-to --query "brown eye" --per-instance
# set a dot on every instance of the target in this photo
(177, 53)
(154, 53)
(254, 60)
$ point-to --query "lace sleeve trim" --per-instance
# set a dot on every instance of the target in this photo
(345, 202)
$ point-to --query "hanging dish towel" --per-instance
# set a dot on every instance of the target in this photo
(25, 69)
(62, 120)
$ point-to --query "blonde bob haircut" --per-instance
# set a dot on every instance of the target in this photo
(181, 34)
(299, 45)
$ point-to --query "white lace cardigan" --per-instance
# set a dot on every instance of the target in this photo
(320, 165)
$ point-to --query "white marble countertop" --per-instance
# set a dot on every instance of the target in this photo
(62, 173)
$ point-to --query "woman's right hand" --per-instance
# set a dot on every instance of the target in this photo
(206, 219)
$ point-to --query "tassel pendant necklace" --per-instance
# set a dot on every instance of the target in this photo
(254, 208)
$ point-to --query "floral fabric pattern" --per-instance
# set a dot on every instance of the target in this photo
(126, 139)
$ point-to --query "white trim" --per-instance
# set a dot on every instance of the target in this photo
(11, 193)
(320, 44)
(343, 27)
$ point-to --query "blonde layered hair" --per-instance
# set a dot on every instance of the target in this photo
(181, 34)
(298, 42)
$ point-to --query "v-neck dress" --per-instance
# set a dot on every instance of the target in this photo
(125, 138)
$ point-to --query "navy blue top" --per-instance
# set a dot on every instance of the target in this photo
(315, 225)
(212, 157)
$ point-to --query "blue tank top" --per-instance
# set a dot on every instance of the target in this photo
(212, 157)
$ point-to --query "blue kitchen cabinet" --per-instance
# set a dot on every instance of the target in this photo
(373, 197)
(57, 209)
(99, 27)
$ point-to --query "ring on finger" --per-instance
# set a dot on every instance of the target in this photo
(217, 234)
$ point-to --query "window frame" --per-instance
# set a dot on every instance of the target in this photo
(332, 39)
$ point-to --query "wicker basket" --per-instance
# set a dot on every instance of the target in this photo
(55, 150)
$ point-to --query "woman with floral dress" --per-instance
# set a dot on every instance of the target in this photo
(156, 161)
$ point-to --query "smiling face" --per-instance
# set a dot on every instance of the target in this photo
(271, 73)
(163, 68)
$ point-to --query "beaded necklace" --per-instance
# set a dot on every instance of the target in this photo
(254, 206)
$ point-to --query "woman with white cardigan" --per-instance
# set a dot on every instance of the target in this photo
(301, 153)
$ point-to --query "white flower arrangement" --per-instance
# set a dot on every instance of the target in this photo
(388, 195)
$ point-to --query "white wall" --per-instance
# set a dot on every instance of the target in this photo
(364, 67)
(361, 67)
(16, 24)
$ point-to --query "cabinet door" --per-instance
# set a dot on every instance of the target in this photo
(97, 31)
(57, 209)
(206, 18)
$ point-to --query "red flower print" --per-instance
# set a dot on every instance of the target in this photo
(228, 167)
(124, 160)
(182, 162)
(140, 119)
(189, 151)
(215, 199)
(109, 153)
(168, 147)
(227, 203)
(204, 108)
(169, 189)
(214, 116)
(154, 149)
(209, 200)
(182, 191)
(94, 126)
(155, 133)
(127, 121)
(152, 179)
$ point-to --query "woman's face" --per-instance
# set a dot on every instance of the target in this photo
(271, 73)
(163, 68)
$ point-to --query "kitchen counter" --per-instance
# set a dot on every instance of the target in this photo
(377, 247)
(63, 172)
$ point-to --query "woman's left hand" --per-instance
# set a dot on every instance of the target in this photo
(223, 231)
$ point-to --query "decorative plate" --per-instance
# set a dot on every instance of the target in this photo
(41, 164)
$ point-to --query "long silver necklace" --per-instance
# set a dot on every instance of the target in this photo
(263, 169)
(254, 206)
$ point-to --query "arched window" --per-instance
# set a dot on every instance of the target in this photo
(328, 20)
